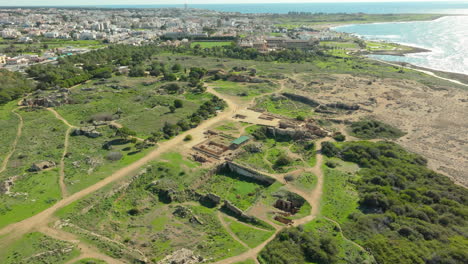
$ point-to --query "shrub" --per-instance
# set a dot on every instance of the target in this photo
(283, 160)
(329, 149)
(300, 118)
(188, 138)
(178, 103)
(114, 156)
(339, 137)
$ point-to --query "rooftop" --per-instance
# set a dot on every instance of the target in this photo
(240, 140)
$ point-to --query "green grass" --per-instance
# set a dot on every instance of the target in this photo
(251, 236)
(42, 139)
(90, 261)
(143, 110)
(339, 197)
(9, 123)
(243, 90)
(284, 106)
(306, 181)
(210, 44)
(28, 249)
(339, 44)
(240, 191)
(249, 261)
(348, 252)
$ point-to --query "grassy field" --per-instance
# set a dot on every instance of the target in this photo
(9, 123)
(240, 191)
(243, 90)
(138, 218)
(47, 44)
(284, 106)
(90, 261)
(339, 198)
(210, 44)
(348, 252)
(339, 44)
(142, 108)
(42, 139)
(249, 235)
(36, 248)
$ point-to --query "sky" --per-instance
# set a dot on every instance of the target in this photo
(172, 2)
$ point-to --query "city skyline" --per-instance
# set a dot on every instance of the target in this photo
(181, 2)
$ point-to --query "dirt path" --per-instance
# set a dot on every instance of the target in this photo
(63, 186)
(15, 142)
(312, 198)
(27, 225)
(342, 234)
(226, 227)
(86, 250)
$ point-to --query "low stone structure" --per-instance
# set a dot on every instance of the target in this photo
(286, 206)
(247, 172)
(236, 211)
(89, 131)
(182, 256)
(43, 165)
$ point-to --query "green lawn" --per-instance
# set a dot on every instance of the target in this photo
(210, 44)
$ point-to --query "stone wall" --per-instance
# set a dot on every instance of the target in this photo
(247, 172)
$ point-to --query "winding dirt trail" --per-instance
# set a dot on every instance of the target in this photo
(342, 234)
(15, 142)
(226, 227)
(41, 220)
(63, 186)
(18, 229)
(313, 198)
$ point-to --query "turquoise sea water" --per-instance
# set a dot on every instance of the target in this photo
(446, 38)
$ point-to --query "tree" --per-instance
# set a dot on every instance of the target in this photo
(176, 67)
(125, 133)
(178, 103)
(329, 149)
(172, 109)
(170, 77)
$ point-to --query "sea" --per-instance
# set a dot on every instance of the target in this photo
(377, 7)
(446, 38)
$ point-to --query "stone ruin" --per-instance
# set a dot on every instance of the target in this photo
(43, 165)
(182, 256)
(236, 211)
(57, 98)
(286, 206)
(89, 131)
(184, 212)
(284, 220)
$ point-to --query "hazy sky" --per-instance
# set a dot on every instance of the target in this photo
(155, 2)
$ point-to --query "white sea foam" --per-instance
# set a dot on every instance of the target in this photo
(446, 38)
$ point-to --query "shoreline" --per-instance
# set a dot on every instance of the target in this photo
(457, 78)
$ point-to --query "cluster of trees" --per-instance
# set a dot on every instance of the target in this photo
(288, 55)
(100, 63)
(205, 111)
(297, 246)
(13, 85)
(408, 213)
(369, 129)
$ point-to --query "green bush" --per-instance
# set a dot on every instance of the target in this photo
(370, 129)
